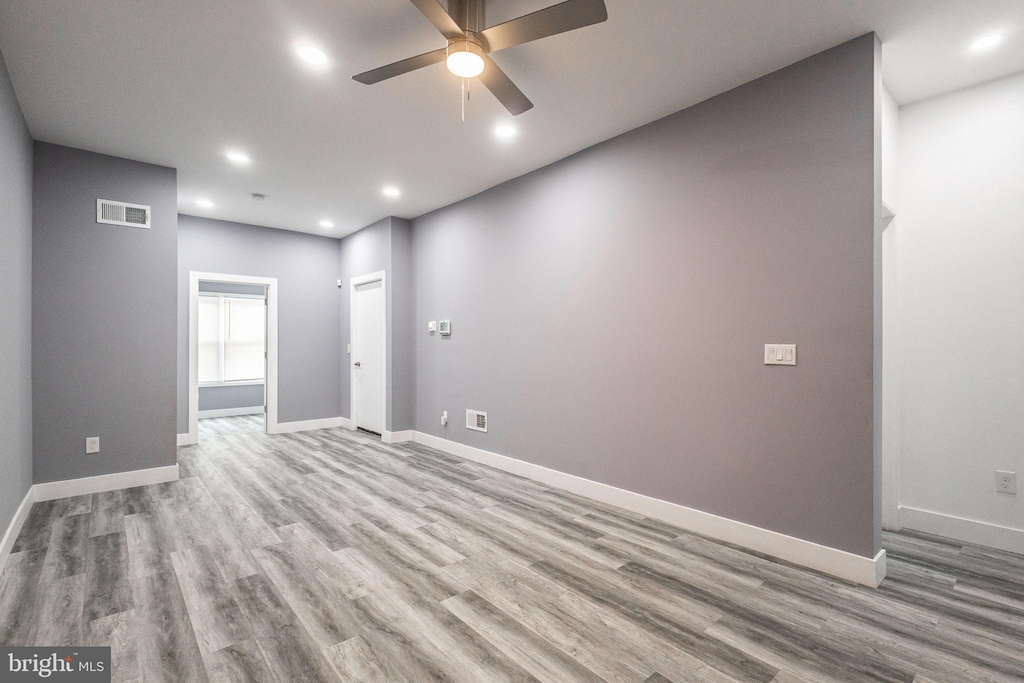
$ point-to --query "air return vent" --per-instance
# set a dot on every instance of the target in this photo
(476, 420)
(120, 213)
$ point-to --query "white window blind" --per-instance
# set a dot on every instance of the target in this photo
(243, 339)
(209, 339)
(231, 338)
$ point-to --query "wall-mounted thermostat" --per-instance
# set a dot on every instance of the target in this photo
(432, 327)
(445, 327)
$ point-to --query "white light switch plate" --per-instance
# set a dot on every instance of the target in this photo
(432, 326)
(780, 354)
(92, 444)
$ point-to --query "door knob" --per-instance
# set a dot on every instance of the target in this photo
(358, 364)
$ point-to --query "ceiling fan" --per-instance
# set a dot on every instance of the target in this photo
(470, 43)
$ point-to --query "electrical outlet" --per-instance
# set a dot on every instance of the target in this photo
(444, 419)
(1006, 482)
(92, 444)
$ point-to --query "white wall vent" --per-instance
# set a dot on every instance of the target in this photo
(476, 420)
(121, 213)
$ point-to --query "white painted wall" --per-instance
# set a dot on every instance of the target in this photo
(890, 365)
(960, 278)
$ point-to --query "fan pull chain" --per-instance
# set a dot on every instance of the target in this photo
(465, 91)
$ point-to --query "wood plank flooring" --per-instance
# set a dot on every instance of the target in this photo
(329, 556)
(212, 427)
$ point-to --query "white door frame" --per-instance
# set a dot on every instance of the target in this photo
(270, 382)
(355, 282)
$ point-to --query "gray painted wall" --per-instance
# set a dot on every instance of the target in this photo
(306, 267)
(402, 375)
(16, 302)
(223, 398)
(385, 245)
(609, 311)
(103, 316)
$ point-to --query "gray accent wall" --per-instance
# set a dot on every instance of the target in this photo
(385, 245)
(103, 316)
(309, 326)
(15, 303)
(610, 311)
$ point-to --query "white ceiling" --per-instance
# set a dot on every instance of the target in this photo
(178, 83)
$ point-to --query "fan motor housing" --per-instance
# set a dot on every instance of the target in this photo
(471, 43)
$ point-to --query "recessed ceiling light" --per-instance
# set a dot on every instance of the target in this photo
(986, 42)
(505, 131)
(205, 203)
(326, 223)
(391, 191)
(311, 55)
(238, 158)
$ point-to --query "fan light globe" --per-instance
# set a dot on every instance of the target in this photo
(465, 60)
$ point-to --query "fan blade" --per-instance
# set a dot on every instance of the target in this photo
(502, 87)
(437, 16)
(398, 68)
(560, 18)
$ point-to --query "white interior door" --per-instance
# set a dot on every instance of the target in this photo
(368, 356)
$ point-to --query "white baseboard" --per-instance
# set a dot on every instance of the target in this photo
(396, 437)
(967, 530)
(839, 563)
(104, 482)
(347, 423)
(310, 425)
(14, 528)
(231, 412)
(186, 440)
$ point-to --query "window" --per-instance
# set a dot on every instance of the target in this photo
(231, 338)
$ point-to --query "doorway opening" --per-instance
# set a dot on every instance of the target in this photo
(368, 374)
(232, 355)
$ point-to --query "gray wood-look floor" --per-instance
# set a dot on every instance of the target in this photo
(326, 556)
(212, 427)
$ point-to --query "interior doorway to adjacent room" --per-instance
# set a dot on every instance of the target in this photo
(232, 355)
